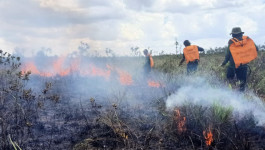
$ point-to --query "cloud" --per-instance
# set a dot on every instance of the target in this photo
(91, 3)
(40, 13)
(248, 25)
(119, 25)
(131, 32)
(139, 4)
(59, 5)
(183, 6)
(30, 14)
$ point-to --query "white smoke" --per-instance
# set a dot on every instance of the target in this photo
(199, 91)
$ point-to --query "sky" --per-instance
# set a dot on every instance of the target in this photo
(59, 26)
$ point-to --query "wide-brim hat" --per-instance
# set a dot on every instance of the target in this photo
(236, 30)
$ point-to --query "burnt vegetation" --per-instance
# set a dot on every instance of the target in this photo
(56, 116)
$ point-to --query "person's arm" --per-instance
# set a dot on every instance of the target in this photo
(227, 57)
(257, 48)
(228, 54)
(200, 49)
(151, 61)
(182, 60)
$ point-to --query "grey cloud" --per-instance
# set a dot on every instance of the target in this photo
(91, 3)
(208, 27)
(29, 13)
(25, 18)
(18, 34)
(138, 4)
(233, 5)
(100, 21)
(104, 13)
(176, 8)
(101, 31)
(194, 7)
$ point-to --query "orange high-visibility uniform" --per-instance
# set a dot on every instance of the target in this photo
(191, 53)
(151, 61)
(243, 51)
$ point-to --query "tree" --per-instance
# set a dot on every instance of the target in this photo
(177, 44)
(83, 48)
(109, 52)
(135, 51)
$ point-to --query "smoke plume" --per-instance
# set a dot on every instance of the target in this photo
(206, 92)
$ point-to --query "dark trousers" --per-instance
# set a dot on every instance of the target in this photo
(147, 69)
(192, 67)
(241, 75)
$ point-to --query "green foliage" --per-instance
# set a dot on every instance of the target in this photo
(14, 144)
(261, 86)
(167, 63)
(221, 113)
(210, 64)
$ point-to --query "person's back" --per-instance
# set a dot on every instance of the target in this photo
(191, 55)
(241, 50)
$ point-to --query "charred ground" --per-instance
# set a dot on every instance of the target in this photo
(92, 112)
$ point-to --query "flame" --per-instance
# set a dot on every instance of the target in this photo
(153, 84)
(95, 71)
(58, 67)
(181, 121)
(46, 74)
(64, 72)
(208, 136)
(100, 72)
(125, 77)
(30, 66)
(109, 67)
(75, 65)
(57, 64)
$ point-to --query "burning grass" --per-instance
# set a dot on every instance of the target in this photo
(186, 127)
(108, 106)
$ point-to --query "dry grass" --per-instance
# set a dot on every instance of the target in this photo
(43, 121)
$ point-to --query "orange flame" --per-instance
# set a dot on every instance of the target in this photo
(46, 74)
(95, 71)
(58, 68)
(57, 64)
(153, 84)
(109, 67)
(181, 121)
(75, 65)
(64, 72)
(208, 136)
(30, 66)
(125, 77)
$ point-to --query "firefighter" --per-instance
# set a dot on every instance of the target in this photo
(149, 63)
(191, 55)
(241, 50)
